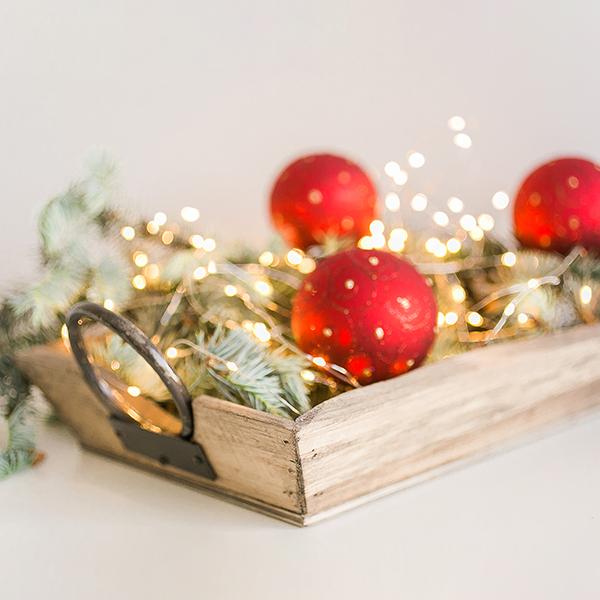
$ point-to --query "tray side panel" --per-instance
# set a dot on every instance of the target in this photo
(253, 454)
(55, 372)
(461, 408)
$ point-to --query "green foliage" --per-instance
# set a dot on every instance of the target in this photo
(16, 420)
(80, 253)
(234, 365)
(81, 258)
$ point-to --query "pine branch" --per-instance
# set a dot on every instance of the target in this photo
(289, 368)
(244, 371)
(16, 417)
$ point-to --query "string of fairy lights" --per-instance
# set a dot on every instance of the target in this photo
(255, 277)
(457, 247)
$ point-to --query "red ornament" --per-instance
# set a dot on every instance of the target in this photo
(368, 311)
(558, 206)
(322, 195)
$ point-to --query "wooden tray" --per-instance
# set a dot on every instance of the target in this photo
(362, 444)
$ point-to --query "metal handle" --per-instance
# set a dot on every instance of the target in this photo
(138, 340)
(168, 450)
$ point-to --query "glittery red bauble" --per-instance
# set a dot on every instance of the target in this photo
(368, 311)
(322, 195)
(558, 206)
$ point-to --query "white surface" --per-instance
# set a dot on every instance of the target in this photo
(202, 102)
(525, 524)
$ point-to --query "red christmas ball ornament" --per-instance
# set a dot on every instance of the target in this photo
(368, 311)
(557, 207)
(322, 195)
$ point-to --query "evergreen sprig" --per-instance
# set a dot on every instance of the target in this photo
(81, 259)
(241, 369)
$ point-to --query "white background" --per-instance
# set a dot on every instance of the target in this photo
(201, 103)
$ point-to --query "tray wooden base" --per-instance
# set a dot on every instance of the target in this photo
(365, 443)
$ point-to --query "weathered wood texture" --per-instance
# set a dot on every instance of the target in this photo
(253, 453)
(376, 436)
(364, 443)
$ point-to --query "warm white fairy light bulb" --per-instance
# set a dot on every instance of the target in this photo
(476, 234)
(455, 205)
(308, 375)
(585, 294)
(307, 265)
(366, 243)
(263, 287)
(139, 282)
(152, 227)
(431, 244)
(440, 251)
(171, 352)
(294, 257)
(416, 160)
(419, 202)
(209, 245)
(64, 334)
(468, 222)
(392, 168)
(451, 318)
(401, 177)
(140, 259)
(127, 233)
(109, 304)
(261, 332)
(400, 233)
(486, 222)
(474, 318)
(435, 247)
(392, 202)
(463, 140)
(190, 214)
(160, 218)
(395, 244)
(230, 290)
(152, 271)
(441, 218)
(458, 293)
(266, 259)
(200, 273)
(509, 259)
(134, 390)
(456, 123)
(376, 227)
(196, 241)
(454, 245)
(397, 239)
(378, 241)
(500, 200)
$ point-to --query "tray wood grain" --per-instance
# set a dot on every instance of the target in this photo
(365, 443)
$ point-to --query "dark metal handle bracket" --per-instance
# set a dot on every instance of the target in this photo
(176, 451)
